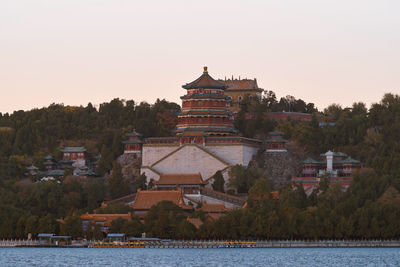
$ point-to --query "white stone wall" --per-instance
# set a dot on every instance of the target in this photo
(190, 159)
(230, 153)
(248, 153)
(193, 159)
(234, 154)
(152, 154)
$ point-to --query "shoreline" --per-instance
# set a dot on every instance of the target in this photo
(201, 244)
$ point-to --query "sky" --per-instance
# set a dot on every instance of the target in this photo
(80, 51)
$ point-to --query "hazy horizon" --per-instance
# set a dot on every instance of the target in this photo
(75, 52)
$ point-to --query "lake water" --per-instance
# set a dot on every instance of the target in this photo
(199, 257)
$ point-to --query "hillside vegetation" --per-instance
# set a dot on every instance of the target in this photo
(368, 209)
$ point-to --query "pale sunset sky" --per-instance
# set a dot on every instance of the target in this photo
(80, 51)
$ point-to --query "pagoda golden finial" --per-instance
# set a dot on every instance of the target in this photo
(205, 69)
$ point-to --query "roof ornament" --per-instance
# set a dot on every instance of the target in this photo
(205, 69)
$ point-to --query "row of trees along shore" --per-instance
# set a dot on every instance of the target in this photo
(368, 209)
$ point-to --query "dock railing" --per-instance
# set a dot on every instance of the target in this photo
(18, 242)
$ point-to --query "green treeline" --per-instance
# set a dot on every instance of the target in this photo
(27, 136)
(368, 209)
(369, 135)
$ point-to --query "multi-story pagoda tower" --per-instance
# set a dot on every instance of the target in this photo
(205, 110)
(205, 140)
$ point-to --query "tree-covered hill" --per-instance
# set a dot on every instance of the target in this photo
(27, 136)
(368, 209)
(370, 135)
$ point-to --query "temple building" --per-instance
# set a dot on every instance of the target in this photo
(32, 170)
(275, 143)
(145, 199)
(50, 163)
(214, 211)
(194, 190)
(204, 110)
(185, 190)
(189, 183)
(238, 89)
(73, 156)
(181, 167)
(134, 143)
(84, 171)
(336, 166)
(205, 140)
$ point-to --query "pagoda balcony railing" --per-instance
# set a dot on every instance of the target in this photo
(232, 139)
(209, 140)
(205, 124)
(162, 140)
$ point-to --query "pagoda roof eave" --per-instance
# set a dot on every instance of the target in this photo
(276, 133)
(132, 142)
(309, 161)
(244, 89)
(276, 141)
(205, 81)
(72, 149)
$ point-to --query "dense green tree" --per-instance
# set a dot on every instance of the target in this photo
(163, 220)
(219, 182)
(47, 224)
(31, 226)
(260, 193)
(243, 178)
(133, 227)
(20, 228)
(117, 225)
(185, 230)
(95, 190)
(95, 233)
(72, 226)
(140, 183)
(118, 187)
(116, 208)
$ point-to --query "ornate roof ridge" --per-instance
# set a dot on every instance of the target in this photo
(205, 81)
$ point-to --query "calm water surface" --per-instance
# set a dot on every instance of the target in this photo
(199, 257)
